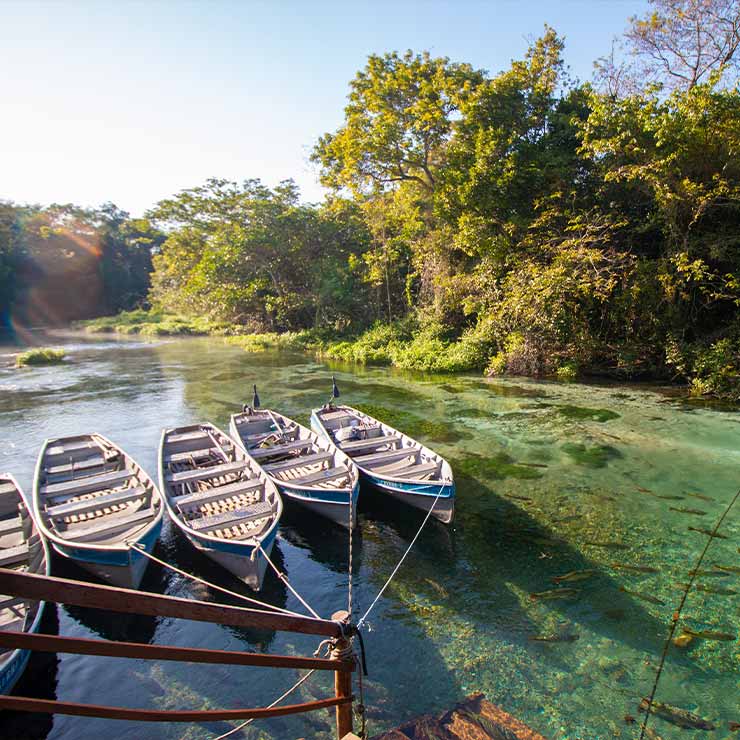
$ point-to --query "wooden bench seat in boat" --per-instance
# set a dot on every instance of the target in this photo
(386, 457)
(177, 457)
(254, 427)
(255, 439)
(337, 415)
(355, 445)
(261, 452)
(8, 526)
(15, 604)
(88, 484)
(413, 471)
(88, 463)
(214, 471)
(13, 555)
(248, 513)
(9, 621)
(6, 488)
(108, 525)
(77, 451)
(98, 502)
(214, 494)
(322, 476)
(188, 436)
(298, 462)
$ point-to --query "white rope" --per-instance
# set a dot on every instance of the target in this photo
(349, 579)
(165, 564)
(400, 562)
(284, 579)
(270, 706)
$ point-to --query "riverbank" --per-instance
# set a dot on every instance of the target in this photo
(409, 346)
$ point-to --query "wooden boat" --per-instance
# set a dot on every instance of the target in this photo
(94, 503)
(305, 467)
(220, 498)
(389, 459)
(21, 548)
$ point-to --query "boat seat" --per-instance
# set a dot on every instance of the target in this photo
(255, 439)
(108, 525)
(98, 502)
(13, 624)
(219, 492)
(414, 471)
(13, 555)
(297, 462)
(13, 603)
(88, 484)
(6, 487)
(356, 445)
(321, 476)
(254, 427)
(8, 526)
(256, 511)
(385, 457)
(214, 471)
(333, 415)
(87, 463)
(177, 457)
(62, 454)
(187, 436)
(282, 449)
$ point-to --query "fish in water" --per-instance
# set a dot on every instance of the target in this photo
(710, 635)
(575, 575)
(554, 638)
(700, 496)
(643, 490)
(698, 512)
(670, 498)
(517, 498)
(609, 545)
(644, 597)
(569, 518)
(734, 726)
(533, 465)
(727, 568)
(441, 590)
(708, 573)
(709, 533)
(715, 590)
(634, 568)
(554, 593)
(684, 639)
(677, 716)
(651, 734)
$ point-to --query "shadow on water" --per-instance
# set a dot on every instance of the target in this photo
(38, 681)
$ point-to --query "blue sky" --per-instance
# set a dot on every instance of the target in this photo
(131, 101)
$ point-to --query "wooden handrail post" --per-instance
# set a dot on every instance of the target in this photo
(342, 650)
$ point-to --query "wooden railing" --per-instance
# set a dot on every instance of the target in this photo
(65, 591)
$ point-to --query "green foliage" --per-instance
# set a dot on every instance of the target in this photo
(40, 356)
(157, 323)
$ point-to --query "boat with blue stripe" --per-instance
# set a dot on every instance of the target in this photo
(97, 506)
(220, 499)
(307, 468)
(22, 547)
(388, 459)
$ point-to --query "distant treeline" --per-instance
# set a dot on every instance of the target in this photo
(521, 222)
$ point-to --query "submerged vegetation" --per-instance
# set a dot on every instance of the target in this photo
(515, 223)
(40, 356)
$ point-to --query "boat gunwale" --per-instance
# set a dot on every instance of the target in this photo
(38, 515)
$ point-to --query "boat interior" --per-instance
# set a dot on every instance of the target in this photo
(91, 492)
(290, 453)
(376, 449)
(20, 549)
(212, 487)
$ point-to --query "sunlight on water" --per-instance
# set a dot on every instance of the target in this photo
(599, 482)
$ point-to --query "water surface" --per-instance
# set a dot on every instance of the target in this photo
(552, 478)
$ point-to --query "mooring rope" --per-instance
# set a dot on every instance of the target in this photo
(285, 580)
(400, 562)
(677, 614)
(349, 579)
(269, 706)
(197, 579)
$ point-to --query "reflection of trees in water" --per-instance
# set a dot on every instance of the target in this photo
(38, 681)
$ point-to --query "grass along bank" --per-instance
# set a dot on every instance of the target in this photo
(431, 347)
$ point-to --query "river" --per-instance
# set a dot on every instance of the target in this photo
(551, 478)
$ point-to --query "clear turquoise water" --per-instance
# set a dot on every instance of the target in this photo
(544, 488)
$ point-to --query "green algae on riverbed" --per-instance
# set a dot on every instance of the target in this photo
(595, 456)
